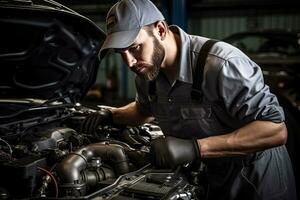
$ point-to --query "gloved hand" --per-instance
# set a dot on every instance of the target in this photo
(169, 152)
(91, 122)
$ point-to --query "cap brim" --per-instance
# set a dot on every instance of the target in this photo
(118, 40)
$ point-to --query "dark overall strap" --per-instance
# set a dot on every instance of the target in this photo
(152, 91)
(196, 93)
(198, 73)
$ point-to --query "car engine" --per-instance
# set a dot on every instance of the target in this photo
(44, 155)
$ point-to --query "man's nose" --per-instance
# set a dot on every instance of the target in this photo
(129, 59)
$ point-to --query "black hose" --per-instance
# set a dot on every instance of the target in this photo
(69, 170)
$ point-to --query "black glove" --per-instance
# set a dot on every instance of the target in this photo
(91, 122)
(170, 152)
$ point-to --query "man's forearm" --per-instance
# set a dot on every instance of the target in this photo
(130, 115)
(256, 136)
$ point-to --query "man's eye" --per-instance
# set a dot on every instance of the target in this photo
(135, 48)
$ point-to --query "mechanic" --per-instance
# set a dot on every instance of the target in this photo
(222, 114)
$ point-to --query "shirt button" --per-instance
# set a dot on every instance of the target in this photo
(170, 100)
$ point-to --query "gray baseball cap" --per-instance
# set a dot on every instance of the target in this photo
(124, 21)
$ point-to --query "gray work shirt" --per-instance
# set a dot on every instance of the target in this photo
(234, 93)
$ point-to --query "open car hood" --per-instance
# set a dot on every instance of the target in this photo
(47, 51)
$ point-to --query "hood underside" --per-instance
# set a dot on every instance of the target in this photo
(46, 51)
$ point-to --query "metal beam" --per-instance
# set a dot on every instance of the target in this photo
(175, 12)
(178, 13)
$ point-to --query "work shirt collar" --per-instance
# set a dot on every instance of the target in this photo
(184, 68)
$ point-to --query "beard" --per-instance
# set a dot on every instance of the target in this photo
(151, 71)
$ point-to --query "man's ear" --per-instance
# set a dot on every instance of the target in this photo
(161, 28)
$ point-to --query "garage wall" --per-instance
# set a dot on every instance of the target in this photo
(222, 26)
(113, 62)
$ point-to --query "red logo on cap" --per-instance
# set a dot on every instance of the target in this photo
(111, 20)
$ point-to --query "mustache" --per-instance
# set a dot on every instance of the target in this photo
(138, 66)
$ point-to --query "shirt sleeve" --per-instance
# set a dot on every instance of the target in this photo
(244, 93)
(141, 97)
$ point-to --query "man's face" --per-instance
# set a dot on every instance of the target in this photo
(145, 56)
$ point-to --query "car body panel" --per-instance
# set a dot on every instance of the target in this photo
(46, 51)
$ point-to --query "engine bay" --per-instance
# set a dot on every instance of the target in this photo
(44, 155)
